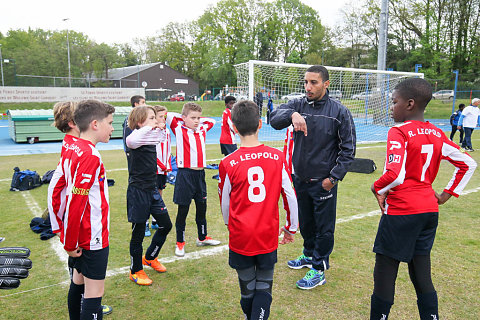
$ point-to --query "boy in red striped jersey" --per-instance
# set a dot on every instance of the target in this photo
(408, 203)
(247, 176)
(63, 121)
(190, 130)
(87, 214)
(227, 135)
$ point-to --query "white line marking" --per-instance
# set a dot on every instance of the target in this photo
(54, 242)
(35, 289)
(359, 216)
(188, 256)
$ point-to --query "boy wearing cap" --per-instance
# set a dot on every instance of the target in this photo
(469, 119)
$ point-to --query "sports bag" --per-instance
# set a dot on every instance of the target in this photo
(362, 166)
(24, 180)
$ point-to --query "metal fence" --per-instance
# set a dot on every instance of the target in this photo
(28, 80)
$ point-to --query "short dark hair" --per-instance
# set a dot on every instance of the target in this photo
(89, 110)
(245, 117)
(136, 99)
(230, 98)
(321, 70)
(461, 105)
(417, 89)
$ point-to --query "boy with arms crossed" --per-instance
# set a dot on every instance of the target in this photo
(408, 203)
(190, 130)
(143, 198)
(164, 152)
(87, 211)
(247, 176)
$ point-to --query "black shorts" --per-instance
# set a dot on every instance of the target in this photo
(141, 203)
(161, 181)
(402, 237)
(227, 148)
(260, 261)
(190, 184)
(91, 264)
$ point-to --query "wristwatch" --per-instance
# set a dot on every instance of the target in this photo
(333, 180)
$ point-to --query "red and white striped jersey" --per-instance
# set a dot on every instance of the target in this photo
(288, 149)
(227, 135)
(414, 152)
(57, 189)
(190, 142)
(251, 182)
(164, 155)
(87, 213)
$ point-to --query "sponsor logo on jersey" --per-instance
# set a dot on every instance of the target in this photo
(86, 178)
(102, 177)
(394, 158)
(394, 145)
(80, 191)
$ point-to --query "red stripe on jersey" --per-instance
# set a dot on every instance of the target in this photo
(199, 146)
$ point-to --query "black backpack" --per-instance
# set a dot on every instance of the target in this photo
(47, 177)
(24, 180)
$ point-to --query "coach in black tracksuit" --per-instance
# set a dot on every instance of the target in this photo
(324, 140)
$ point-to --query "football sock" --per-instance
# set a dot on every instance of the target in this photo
(261, 305)
(379, 309)
(246, 304)
(246, 280)
(136, 249)
(180, 222)
(164, 227)
(92, 309)
(428, 306)
(75, 294)
(201, 220)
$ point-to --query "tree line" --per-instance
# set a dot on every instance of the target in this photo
(441, 35)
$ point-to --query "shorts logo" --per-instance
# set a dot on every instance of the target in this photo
(395, 145)
(86, 178)
(394, 158)
(102, 177)
(80, 191)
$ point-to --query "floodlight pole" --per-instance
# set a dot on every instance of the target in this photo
(68, 53)
(382, 38)
(1, 65)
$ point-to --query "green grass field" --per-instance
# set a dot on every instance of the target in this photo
(206, 288)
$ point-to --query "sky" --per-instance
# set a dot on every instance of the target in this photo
(121, 21)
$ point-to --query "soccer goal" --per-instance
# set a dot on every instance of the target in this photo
(367, 93)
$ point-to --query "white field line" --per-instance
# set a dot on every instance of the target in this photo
(54, 242)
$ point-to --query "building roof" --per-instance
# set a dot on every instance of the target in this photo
(120, 73)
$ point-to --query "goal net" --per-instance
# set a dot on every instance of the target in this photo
(366, 93)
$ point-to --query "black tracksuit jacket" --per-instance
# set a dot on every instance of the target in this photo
(329, 147)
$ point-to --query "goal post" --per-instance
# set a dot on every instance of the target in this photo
(366, 93)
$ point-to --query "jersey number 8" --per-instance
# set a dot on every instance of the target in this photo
(256, 189)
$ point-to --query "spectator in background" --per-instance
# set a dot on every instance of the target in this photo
(454, 122)
(258, 99)
(469, 120)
